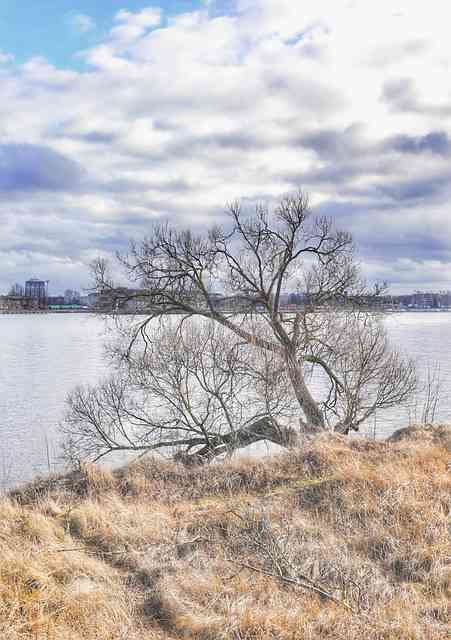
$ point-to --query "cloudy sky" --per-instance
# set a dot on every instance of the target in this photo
(114, 116)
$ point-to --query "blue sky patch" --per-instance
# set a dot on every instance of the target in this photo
(58, 29)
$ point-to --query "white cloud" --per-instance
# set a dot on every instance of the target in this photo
(82, 23)
(5, 58)
(134, 25)
(176, 117)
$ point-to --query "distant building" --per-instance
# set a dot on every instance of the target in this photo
(424, 300)
(15, 304)
(71, 297)
(122, 300)
(16, 290)
(10, 303)
(445, 297)
(36, 289)
(92, 299)
(55, 300)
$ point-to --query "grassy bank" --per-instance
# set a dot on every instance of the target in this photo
(343, 539)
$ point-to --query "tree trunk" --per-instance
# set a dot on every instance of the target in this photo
(262, 429)
(312, 412)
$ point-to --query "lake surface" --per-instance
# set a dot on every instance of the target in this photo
(44, 356)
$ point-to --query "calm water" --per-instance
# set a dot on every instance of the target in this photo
(44, 356)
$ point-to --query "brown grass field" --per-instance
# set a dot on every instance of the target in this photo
(344, 538)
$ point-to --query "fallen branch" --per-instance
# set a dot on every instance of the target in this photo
(311, 586)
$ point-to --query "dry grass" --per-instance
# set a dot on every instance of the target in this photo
(342, 539)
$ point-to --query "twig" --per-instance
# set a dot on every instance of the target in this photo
(93, 551)
(126, 550)
(297, 583)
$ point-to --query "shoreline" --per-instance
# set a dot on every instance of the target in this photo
(141, 313)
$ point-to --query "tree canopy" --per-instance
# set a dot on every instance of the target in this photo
(213, 360)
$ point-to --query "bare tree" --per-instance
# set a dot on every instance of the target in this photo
(196, 392)
(208, 372)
